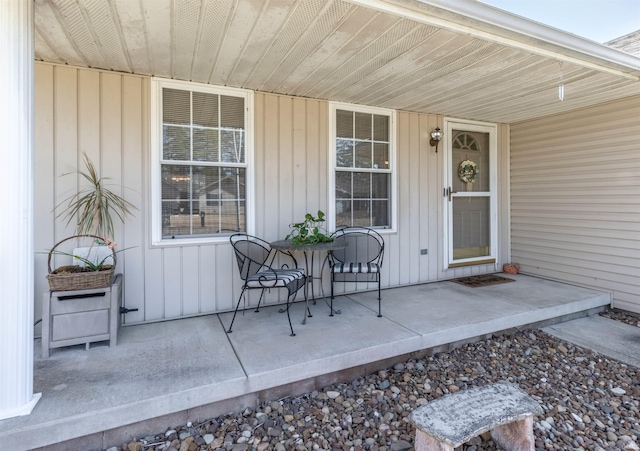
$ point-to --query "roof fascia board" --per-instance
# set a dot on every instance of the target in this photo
(486, 22)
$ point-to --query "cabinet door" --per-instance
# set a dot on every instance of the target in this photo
(79, 325)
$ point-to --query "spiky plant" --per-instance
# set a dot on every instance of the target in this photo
(92, 207)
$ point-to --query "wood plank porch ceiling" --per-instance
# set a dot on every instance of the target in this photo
(335, 50)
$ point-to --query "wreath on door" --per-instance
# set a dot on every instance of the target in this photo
(468, 171)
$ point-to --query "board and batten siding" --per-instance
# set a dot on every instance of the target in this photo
(575, 198)
(104, 114)
(107, 115)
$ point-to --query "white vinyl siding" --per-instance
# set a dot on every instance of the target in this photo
(107, 115)
(576, 198)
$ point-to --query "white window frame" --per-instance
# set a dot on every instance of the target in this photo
(155, 212)
(331, 208)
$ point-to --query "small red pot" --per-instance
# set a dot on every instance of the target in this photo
(511, 268)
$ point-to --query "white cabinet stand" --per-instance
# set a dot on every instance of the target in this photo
(81, 317)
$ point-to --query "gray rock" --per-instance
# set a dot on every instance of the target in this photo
(401, 445)
(545, 425)
(261, 417)
(581, 410)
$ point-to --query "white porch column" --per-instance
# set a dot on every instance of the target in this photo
(16, 220)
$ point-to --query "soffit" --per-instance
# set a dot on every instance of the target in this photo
(354, 52)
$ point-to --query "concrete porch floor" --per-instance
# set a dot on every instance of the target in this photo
(172, 372)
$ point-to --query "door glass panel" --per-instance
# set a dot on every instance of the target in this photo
(470, 161)
(471, 227)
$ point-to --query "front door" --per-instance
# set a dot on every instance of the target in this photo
(470, 194)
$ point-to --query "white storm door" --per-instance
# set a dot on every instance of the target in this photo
(470, 194)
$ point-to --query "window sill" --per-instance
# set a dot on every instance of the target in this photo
(185, 242)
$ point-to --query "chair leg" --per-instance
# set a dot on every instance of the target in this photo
(331, 306)
(288, 315)
(379, 299)
(236, 311)
(306, 298)
(259, 301)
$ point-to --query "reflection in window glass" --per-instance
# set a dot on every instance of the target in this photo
(343, 185)
(361, 184)
(206, 146)
(381, 156)
(362, 196)
(363, 169)
(203, 164)
(343, 213)
(176, 143)
(363, 154)
(344, 153)
(379, 186)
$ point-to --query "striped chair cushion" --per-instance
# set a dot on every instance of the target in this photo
(360, 268)
(274, 278)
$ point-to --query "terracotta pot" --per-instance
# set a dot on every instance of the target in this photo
(511, 268)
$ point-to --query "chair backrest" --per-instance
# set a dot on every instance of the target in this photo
(251, 252)
(364, 246)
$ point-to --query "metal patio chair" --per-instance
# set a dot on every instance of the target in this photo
(255, 260)
(361, 258)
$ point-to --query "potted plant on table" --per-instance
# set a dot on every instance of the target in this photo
(309, 231)
(93, 208)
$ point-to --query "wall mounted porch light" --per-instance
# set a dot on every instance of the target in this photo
(436, 136)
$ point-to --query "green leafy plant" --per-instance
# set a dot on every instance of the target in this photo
(93, 207)
(309, 231)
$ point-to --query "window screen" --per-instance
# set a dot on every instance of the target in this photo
(362, 169)
(203, 163)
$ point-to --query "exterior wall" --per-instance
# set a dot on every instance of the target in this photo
(107, 115)
(575, 205)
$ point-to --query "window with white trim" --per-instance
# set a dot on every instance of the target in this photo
(201, 161)
(363, 151)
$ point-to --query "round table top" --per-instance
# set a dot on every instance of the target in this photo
(287, 245)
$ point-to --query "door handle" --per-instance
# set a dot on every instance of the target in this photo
(449, 192)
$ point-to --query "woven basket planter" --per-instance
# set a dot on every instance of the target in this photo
(73, 277)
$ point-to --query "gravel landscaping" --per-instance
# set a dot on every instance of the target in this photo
(591, 403)
(633, 319)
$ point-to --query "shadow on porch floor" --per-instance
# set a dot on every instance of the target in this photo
(177, 371)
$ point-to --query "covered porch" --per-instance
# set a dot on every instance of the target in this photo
(171, 372)
(565, 209)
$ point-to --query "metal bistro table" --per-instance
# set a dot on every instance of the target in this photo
(309, 251)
